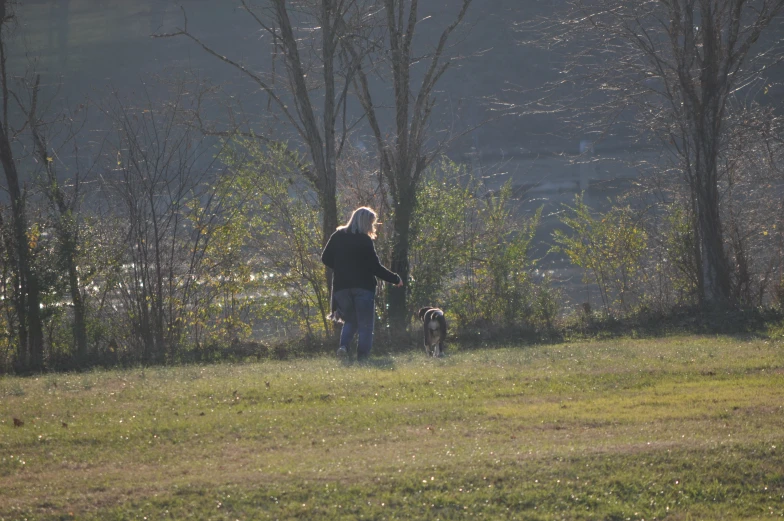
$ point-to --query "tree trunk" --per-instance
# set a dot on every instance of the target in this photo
(68, 235)
(708, 116)
(329, 223)
(30, 349)
(35, 324)
(398, 310)
(80, 322)
(68, 240)
(329, 198)
(716, 286)
(66, 228)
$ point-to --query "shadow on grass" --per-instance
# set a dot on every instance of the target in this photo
(743, 323)
(740, 323)
(384, 363)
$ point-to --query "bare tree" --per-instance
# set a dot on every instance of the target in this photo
(314, 84)
(158, 169)
(753, 203)
(65, 202)
(405, 150)
(30, 347)
(669, 70)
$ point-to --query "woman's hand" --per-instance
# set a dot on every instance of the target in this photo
(399, 284)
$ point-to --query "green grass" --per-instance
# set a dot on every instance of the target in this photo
(673, 428)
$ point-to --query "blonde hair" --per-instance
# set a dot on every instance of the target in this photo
(363, 220)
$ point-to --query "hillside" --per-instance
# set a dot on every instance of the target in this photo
(88, 46)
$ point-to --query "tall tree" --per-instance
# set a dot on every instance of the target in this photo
(161, 175)
(407, 148)
(675, 70)
(307, 34)
(65, 207)
(30, 346)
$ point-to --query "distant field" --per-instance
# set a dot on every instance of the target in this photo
(676, 428)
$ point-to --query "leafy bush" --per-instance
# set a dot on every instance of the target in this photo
(470, 255)
(263, 261)
(609, 248)
(671, 259)
(547, 305)
(439, 230)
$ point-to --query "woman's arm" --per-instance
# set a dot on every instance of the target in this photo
(379, 270)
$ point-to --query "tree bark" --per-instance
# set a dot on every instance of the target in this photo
(398, 309)
(321, 143)
(30, 348)
(716, 282)
(66, 228)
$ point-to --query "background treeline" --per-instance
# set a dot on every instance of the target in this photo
(145, 229)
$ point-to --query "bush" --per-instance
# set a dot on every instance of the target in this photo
(609, 247)
(470, 256)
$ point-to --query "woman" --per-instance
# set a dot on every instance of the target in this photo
(351, 255)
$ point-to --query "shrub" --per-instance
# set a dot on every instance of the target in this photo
(470, 255)
(440, 227)
(609, 248)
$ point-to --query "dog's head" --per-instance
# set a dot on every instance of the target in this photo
(422, 311)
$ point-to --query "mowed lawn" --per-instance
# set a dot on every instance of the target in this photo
(671, 428)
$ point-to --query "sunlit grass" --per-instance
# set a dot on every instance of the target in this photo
(682, 428)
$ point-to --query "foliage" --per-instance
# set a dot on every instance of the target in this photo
(446, 200)
(547, 305)
(753, 204)
(193, 249)
(497, 284)
(276, 223)
(609, 247)
(8, 334)
(161, 165)
(672, 262)
(7, 311)
(470, 255)
(691, 79)
(405, 145)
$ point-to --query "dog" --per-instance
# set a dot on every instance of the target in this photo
(434, 324)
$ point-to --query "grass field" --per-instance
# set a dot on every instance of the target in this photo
(672, 428)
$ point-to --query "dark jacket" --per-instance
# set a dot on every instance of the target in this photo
(354, 262)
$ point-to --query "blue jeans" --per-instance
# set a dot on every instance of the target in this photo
(357, 306)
